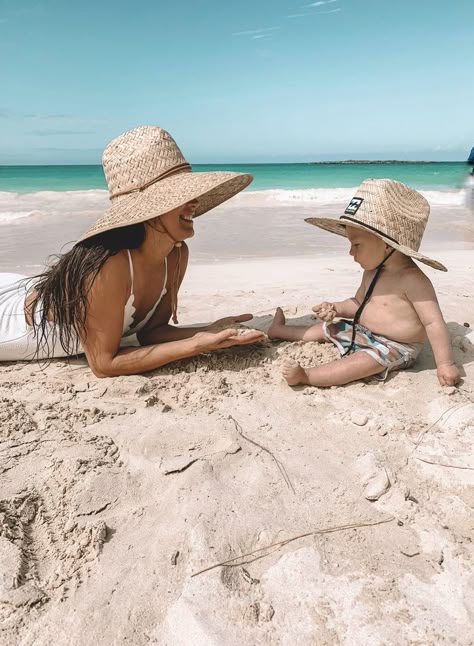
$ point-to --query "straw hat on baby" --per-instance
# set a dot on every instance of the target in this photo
(148, 176)
(390, 210)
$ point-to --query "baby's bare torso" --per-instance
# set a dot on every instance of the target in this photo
(389, 311)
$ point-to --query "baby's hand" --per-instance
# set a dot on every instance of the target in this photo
(325, 311)
(448, 374)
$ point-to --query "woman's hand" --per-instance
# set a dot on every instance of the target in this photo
(207, 341)
(325, 311)
(228, 321)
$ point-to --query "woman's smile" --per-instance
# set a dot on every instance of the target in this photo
(188, 212)
(187, 217)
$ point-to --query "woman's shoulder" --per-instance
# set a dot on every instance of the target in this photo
(118, 262)
(115, 272)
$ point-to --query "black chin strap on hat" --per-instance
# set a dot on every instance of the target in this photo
(365, 300)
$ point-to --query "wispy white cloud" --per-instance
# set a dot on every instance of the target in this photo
(46, 117)
(266, 33)
(256, 32)
(53, 132)
(7, 113)
(315, 5)
(320, 3)
(50, 124)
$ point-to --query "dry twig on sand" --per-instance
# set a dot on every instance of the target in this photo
(451, 410)
(278, 463)
(444, 464)
(275, 546)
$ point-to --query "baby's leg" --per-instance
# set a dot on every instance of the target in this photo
(279, 330)
(336, 373)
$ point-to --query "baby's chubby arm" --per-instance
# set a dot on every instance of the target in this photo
(344, 309)
(422, 296)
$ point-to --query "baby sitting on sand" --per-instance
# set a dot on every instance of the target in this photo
(384, 222)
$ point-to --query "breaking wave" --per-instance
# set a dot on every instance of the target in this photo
(16, 208)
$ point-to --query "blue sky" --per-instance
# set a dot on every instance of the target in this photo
(247, 81)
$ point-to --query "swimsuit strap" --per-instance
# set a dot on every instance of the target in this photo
(141, 324)
(131, 270)
(175, 280)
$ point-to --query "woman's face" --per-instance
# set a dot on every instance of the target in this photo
(179, 222)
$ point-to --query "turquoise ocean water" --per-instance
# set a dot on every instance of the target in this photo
(420, 175)
(45, 207)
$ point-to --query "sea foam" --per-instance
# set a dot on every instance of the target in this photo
(17, 208)
(330, 195)
(305, 196)
(8, 217)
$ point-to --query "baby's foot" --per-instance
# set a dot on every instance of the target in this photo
(294, 373)
(278, 324)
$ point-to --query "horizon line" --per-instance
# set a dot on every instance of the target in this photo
(269, 163)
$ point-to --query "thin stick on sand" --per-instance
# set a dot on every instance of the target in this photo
(444, 464)
(274, 546)
(278, 463)
(451, 409)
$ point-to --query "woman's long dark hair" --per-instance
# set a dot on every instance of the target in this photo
(62, 290)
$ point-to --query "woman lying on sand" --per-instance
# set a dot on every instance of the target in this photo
(122, 277)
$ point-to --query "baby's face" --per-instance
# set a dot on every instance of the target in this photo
(366, 249)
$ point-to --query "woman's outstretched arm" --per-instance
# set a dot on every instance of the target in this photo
(158, 329)
(104, 325)
(130, 361)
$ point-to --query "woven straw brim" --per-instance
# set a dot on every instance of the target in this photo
(334, 226)
(211, 189)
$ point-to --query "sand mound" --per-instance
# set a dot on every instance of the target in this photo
(118, 495)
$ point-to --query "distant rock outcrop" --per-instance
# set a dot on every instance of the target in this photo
(377, 161)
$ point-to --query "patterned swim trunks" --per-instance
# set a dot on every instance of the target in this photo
(392, 355)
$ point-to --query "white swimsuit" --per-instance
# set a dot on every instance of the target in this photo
(17, 338)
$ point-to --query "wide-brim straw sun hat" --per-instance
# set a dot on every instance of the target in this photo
(147, 176)
(390, 210)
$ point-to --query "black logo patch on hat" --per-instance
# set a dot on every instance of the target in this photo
(354, 205)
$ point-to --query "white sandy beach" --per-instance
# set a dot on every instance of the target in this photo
(116, 493)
